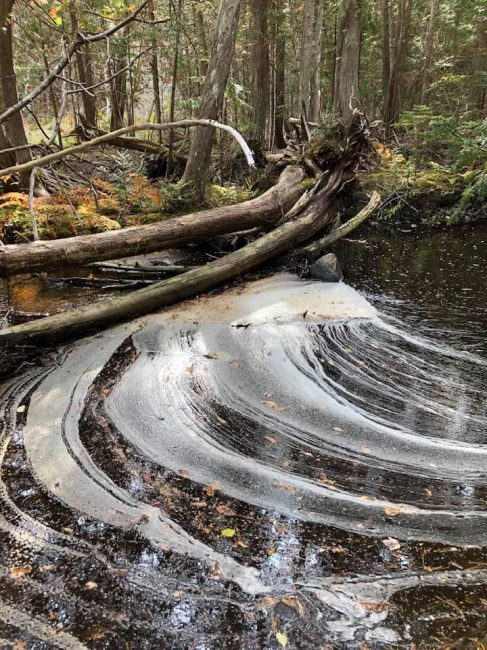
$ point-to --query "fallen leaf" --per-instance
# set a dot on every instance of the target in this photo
(285, 486)
(228, 532)
(338, 549)
(91, 585)
(282, 639)
(225, 510)
(178, 594)
(271, 439)
(392, 511)
(391, 543)
(241, 544)
(273, 405)
(189, 369)
(20, 570)
(268, 601)
(376, 607)
(211, 489)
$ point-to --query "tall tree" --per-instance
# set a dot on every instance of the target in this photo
(222, 52)
(429, 50)
(259, 68)
(349, 36)
(13, 132)
(280, 76)
(311, 47)
(402, 33)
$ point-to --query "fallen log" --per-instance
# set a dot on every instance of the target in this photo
(313, 216)
(266, 210)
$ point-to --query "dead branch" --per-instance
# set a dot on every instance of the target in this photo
(107, 137)
(79, 40)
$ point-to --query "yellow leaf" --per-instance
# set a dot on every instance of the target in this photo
(228, 532)
(282, 639)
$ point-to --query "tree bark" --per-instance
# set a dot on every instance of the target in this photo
(262, 211)
(280, 109)
(349, 36)
(429, 52)
(260, 69)
(83, 65)
(156, 87)
(386, 51)
(402, 37)
(199, 158)
(13, 129)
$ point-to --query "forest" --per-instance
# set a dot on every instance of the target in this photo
(242, 324)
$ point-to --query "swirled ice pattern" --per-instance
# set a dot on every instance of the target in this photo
(294, 396)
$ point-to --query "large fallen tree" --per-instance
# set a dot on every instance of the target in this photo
(299, 224)
(265, 210)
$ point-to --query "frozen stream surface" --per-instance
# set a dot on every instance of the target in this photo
(285, 464)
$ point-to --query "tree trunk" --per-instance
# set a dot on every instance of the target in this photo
(219, 66)
(83, 66)
(429, 52)
(480, 67)
(349, 36)
(118, 85)
(260, 69)
(13, 129)
(402, 37)
(264, 210)
(280, 109)
(316, 51)
(386, 51)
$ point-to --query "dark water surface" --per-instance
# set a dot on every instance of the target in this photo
(292, 465)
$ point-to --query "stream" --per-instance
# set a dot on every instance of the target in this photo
(286, 464)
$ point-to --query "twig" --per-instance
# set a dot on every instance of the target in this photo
(40, 162)
(78, 41)
(35, 231)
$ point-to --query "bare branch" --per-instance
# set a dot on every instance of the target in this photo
(78, 41)
(41, 162)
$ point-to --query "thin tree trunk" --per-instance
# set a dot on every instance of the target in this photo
(386, 51)
(402, 37)
(172, 105)
(349, 36)
(155, 78)
(260, 68)
(84, 76)
(306, 49)
(280, 92)
(316, 51)
(429, 52)
(219, 66)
